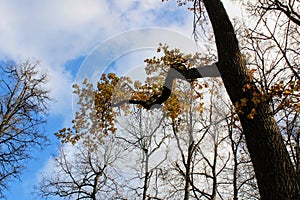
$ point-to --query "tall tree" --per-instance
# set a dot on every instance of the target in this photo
(79, 172)
(23, 105)
(200, 138)
(274, 170)
(146, 142)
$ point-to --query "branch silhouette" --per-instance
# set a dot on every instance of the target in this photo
(177, 70)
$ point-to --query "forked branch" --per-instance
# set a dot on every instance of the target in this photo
(179, 71)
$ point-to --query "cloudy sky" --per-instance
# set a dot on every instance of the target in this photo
(68, 36)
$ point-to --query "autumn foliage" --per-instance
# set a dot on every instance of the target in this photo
(96, 115)
(97, 112)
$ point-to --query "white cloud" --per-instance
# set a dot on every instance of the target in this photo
(56, 31)
(51, 30)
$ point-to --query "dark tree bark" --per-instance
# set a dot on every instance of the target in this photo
(274, 171)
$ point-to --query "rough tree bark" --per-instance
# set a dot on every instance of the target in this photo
(274, 171)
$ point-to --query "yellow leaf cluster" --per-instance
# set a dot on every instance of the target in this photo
(66, 135)
(103, 101)
(171, 57)
(95, 115)
(173, 108)
(288, 94)
(248, 105)
(283, 95)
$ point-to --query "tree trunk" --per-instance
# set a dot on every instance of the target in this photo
(276, 177)
(146, 185)
(187, 186)
(147, 174)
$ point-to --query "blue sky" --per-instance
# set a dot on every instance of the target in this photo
(65, 35)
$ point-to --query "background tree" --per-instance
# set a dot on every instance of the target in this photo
(81, 173)
(198, 151)
(146, 140)
(101, 168)
(193, 145)
(241, 169)
(212, 155)
(203, 144)
(199, 140)
(23, 106)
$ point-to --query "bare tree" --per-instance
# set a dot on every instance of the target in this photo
(116, 167)
(147, 142)
(241, 170)
(289, 8)
(187, 138)
(199, 145)
(23, 106)
(213, 155)
(77, 172)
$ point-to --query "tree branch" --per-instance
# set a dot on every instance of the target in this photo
(177, 70)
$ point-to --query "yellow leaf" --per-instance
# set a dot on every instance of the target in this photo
(244, 102)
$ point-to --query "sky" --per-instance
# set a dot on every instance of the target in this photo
(74, 39)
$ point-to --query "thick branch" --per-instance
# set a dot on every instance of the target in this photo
(287, 10)
(177, 70)
(276, 177)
